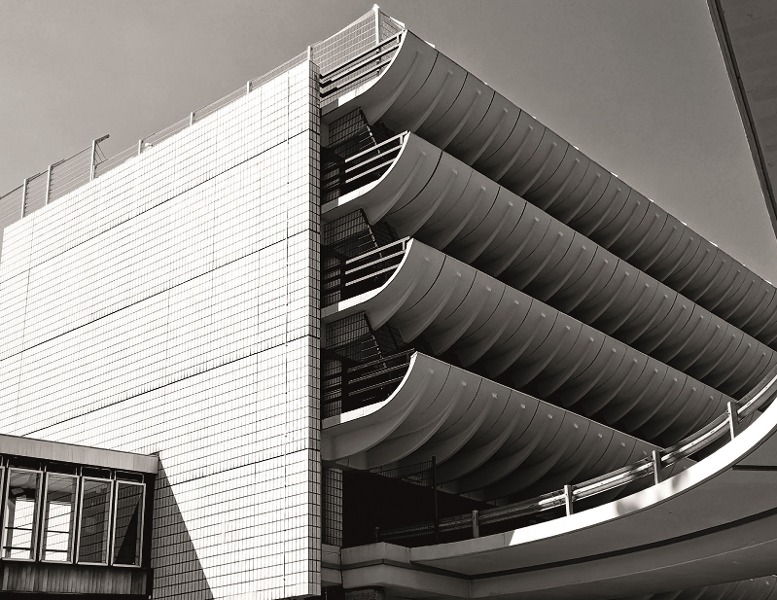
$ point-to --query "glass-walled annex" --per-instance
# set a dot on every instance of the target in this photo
(73, 514)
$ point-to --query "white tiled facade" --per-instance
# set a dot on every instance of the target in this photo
(171, 306)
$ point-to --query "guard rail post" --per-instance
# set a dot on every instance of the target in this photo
(733, 418)
(657, 475)
(24, 197)
(93, 159)
(569, 499)
(48, 183)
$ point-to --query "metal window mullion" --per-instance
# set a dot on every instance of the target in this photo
(37, 551)
(142, 525)
(4, 476)
(78, 517)
(110, 520)
(112, 515)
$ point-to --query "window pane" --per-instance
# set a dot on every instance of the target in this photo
(129, 524)
(21, 510)
(59, 517)
(95, 517)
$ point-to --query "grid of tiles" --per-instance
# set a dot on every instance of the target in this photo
(187, 325)
(332, 507)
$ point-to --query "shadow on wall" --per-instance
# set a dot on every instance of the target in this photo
(177, 570)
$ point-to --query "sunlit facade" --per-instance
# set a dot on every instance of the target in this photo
(388, 336)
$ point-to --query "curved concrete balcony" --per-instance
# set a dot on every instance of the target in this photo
(501, 331)
(427, 193)
(713, 523)
(425, 92)
(490, 441)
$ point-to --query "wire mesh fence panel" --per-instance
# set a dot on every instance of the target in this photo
(388, 26)
(359, 70)
(70, 174)
(345, 44)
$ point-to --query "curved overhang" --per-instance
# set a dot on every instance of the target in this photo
(425, 92)
(499, 330)
(713, 523)
(489, 441)
(429, 194)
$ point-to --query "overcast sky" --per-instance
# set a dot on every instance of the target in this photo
(638, 85)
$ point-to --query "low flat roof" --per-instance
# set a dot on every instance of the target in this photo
(79, 455)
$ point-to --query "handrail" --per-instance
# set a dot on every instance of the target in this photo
(401, 243)
(364, 167)
(335, 81)
(349, 276)
(365, 383)
(730, 421)
(400, 137)
(329, 74)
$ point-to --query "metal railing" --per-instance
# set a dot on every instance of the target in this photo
(361, 384)
(729, 423)
(368, 271)
(339, 177)
(59, 179)
(359, 69)
(70, 173)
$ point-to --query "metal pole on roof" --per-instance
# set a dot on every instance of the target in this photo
(93, 163)
(48, 185)
(24, 196)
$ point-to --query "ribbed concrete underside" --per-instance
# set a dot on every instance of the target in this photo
(489, 441)
(425, 92)
(501, 331)
(450, 206)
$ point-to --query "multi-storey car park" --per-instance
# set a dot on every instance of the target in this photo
(388, 336)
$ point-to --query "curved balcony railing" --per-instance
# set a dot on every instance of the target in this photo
(358, 70)
(340, 176)
(354, 276)
(729, 423)
(356, 385)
